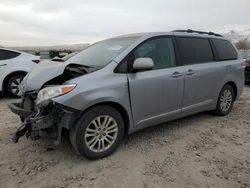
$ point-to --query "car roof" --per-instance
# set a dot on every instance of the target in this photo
(145, 36)
(198, 35)
(176, 33)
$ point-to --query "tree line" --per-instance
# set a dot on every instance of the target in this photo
(243, 44)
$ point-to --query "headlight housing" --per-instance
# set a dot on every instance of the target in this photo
(53, 91)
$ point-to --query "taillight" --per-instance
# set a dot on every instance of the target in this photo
(244, 64)
(36, 61)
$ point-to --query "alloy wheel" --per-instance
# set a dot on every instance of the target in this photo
(14, 86)
(101, 133)
(226, 100)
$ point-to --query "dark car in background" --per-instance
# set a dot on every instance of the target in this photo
(247, 71)
(246, 55)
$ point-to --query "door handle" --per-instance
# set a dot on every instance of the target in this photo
(190, 72)
(3, 65)
(176, 75)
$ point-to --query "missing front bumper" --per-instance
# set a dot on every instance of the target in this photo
(48, 123)
(24, 129)
(33, 122)
(32, 127)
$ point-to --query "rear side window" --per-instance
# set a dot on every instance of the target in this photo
(195, 50)
(6, 54)
(225, 50)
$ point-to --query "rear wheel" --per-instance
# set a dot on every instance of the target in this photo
(13, 85)
(98, 132)
(225, 101)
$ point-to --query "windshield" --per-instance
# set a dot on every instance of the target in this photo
(102, 53)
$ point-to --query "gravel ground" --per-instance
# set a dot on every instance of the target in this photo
(198, 151)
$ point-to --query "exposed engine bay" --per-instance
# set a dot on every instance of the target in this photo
(71, 71)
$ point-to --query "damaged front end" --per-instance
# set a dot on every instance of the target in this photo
(43, 121)
(40, 115)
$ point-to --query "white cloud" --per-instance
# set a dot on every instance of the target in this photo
(47, 22)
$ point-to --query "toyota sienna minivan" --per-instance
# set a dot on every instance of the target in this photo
(123, 84)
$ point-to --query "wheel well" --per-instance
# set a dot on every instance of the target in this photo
(5, 81)
(120, 109)
(233, 85)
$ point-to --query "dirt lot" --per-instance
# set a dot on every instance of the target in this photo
(198, 151)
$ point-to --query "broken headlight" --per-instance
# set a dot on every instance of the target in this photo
(53, 91)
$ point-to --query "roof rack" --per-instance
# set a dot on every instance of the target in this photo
(199, 32)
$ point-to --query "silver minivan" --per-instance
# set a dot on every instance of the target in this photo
(121, 85)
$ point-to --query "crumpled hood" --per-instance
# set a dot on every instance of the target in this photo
(41, 73)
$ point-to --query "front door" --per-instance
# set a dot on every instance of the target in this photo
(156, 95)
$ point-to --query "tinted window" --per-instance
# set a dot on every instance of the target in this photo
(195, 50)
(225, 49)
(1, 55)
(6, 54)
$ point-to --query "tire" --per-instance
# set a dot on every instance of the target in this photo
(12, 85)
(223, 110)
(100, 145)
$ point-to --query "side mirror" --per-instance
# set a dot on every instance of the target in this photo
(143, 64)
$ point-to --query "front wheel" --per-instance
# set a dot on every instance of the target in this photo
(98, 132)
(13, 85)
(225, 101)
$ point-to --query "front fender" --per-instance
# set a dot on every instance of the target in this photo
(81, 100)
(86, 100)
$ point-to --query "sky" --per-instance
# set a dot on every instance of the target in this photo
(56, 22)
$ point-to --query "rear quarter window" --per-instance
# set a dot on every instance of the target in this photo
(195, 50)
(225, 50)
(6, 54)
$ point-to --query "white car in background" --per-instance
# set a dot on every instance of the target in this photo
(14, 65)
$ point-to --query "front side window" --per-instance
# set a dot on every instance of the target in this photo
(195, 50)
(225, 49)
(160, 50)
(102, 53)
(6, 54)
